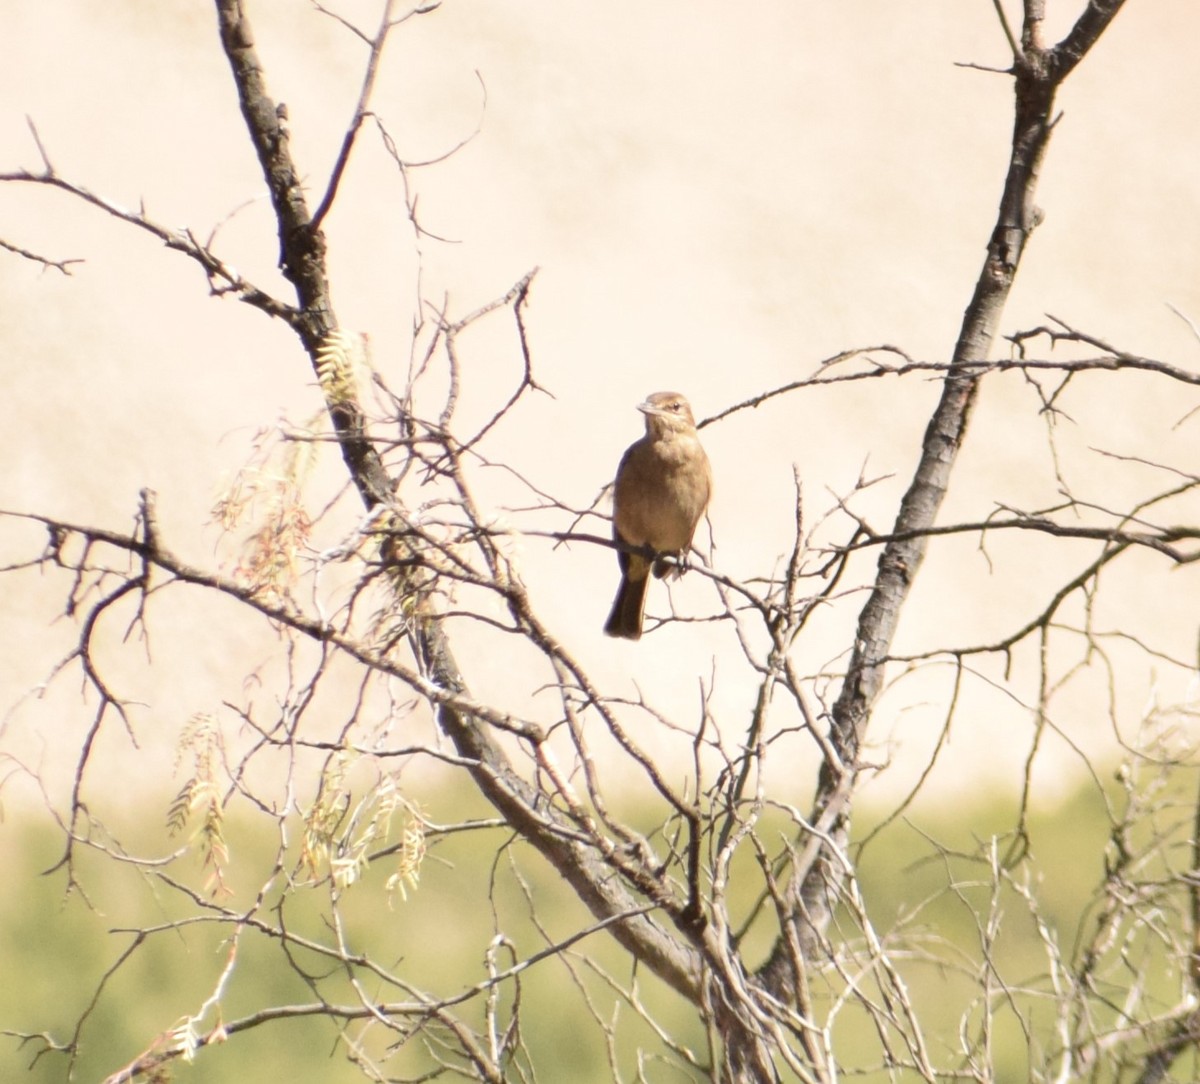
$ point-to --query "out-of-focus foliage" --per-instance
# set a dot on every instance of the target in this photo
(929, 880)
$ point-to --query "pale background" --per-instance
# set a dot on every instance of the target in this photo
(718, 197)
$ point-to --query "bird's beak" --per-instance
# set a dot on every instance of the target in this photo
(648, 408)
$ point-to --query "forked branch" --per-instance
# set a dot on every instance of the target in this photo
(1037, 75)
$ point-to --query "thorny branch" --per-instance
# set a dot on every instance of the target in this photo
(1110, 360)
(1038, 72)
(222, 278)
(428, 540)
(63, 266)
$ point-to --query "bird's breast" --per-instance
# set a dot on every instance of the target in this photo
(661, 491)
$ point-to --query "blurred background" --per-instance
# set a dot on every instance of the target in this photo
(717, 198)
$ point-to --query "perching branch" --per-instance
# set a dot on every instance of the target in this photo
(303, 261)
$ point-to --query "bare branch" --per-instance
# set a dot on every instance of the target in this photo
(63, 266)
(1035, 85)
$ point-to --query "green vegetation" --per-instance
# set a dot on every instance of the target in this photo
(928, 883)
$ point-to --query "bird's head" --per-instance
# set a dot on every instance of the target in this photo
(667, 412)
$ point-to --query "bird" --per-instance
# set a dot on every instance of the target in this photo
(662, 488)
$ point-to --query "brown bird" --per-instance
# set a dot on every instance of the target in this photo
(662, 488)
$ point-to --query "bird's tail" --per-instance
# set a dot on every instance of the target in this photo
(625, 621)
